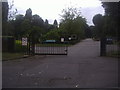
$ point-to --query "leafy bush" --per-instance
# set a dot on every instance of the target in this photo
(19, 47)
(52, 35)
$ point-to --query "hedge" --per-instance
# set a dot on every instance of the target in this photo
(8, 44)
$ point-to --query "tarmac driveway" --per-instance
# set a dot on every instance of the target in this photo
(81, 68)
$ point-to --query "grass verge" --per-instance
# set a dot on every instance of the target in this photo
(115, 54)
(11, 56)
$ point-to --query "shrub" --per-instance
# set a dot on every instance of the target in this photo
(19, 47)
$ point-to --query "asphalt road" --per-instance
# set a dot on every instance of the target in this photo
(81, 68)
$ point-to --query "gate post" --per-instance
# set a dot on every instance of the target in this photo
(33, 48)
(31, 45)
(103, 46)
(28, 45)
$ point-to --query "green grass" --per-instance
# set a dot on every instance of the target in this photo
(19, 52)
(10, 56)
(114, 54)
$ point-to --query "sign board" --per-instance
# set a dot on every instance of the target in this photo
(24, 41)
(69, 38)
(62, 39)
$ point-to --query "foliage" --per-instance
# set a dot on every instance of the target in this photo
(28, 14)
(12, 11)
(33, 26)
(25, 27)
(55, 23)
(72, 23)
(112, 15)
(52, 35)
(19, 47)
(70, 13)
(37, 20)
(36, 33)
(98, 21)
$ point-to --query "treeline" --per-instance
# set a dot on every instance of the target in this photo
(29, 24)
(72, 26)
(107, 25)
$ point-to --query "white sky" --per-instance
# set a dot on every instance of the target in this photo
(50, 9)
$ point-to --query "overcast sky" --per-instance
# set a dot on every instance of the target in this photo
(50, 9)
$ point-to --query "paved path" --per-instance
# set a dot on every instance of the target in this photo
(81, 68)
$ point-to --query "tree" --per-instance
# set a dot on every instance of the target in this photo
(98, 21)
(18, 24)
(12, 12)
(93, 31)
(72, 23)
(28, 14)
(46, 22)
(112, 14)
(10, 28)
(70, 13)
(52, 35)
(19, 17)
(37, 21)
(88, 32)
(55, 23)
(46, 26)
(25, 28)
(8, 17)
(35, 34)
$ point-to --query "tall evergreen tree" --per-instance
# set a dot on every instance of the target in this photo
(46, 22)
(55, 23)
(28, 14)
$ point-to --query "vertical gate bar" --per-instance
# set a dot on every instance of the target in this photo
(38, 48)
(50, 49)
(53, 48)
(47, 51)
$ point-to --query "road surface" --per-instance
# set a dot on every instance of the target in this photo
(81, 68)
